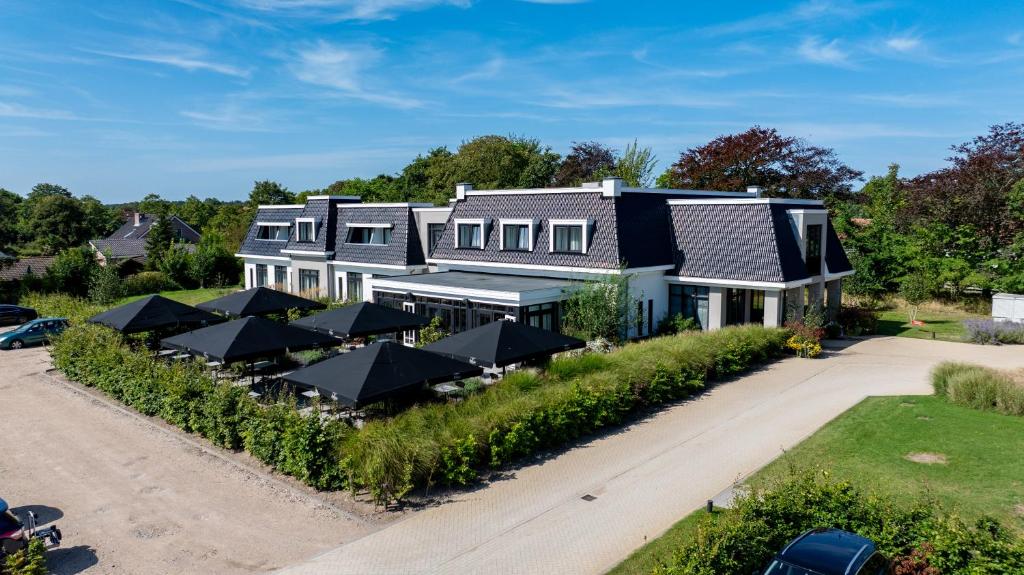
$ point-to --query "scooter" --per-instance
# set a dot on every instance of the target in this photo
(14, 535)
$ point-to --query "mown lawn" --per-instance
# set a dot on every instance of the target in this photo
(983, 473)
(943, 322)
(188, 296)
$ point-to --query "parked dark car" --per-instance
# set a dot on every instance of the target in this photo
(35, 331)
(829, 552)
(15, 314)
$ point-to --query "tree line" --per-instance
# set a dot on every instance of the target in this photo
(950, 230)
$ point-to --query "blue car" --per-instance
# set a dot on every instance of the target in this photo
(829, 552)
(35, 331)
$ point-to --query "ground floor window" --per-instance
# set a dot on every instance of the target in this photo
(544, 316)
(689, 301)
(355, 286)
(757, 306)
(309, 280)
(461, 314)
(735, 306)
(261, 275)
(281, 278)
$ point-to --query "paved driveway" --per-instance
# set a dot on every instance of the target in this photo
(645, 477)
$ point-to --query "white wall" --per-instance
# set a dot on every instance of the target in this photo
(1008, 307)
(250, 270)
(649, 286)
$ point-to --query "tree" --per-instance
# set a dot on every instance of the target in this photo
(498, 162)
(158, 240)
(232, 222)
(266, 192)
(106, 285)
(600, 309)
(585, 162)
(784, 166)
(915, 289)
(213, 264)
(71, 271)
(154, 204)
(176, 264)
(98, 220)
(198, 213)
(52, 221)
(427, 178)
(10, 208)
(636, 166)
(43, 190)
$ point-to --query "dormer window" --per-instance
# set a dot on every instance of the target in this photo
(470, 234)
(369, 234)
(813, 251)
(274, 231)
(517, 235)
(306, 229)
(569, 236)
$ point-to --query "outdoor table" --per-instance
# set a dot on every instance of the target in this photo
(445, 388)
(214, 363)
(311, 393)
(180, 356)
(254, 394)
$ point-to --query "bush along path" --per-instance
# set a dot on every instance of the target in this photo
(446, 443)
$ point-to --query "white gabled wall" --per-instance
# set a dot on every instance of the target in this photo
(649, 286)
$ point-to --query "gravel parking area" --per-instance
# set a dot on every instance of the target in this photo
(132, 496)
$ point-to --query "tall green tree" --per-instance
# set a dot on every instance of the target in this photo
(10, 211)
(52, 222)
(636, 166)
(158, 241)
(269, 192)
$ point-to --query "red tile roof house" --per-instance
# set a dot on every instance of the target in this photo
(129, 241)
(719, 257)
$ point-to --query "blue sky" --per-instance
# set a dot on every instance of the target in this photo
(120, 99)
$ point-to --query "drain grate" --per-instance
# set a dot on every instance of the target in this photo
(588, 497)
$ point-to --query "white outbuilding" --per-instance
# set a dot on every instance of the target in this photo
(1008, 307)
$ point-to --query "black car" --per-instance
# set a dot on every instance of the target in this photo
(829, 552)
(15, 314)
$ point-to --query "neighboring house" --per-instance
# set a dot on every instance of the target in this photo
(127, 245)
(18, 269)
(719, 257)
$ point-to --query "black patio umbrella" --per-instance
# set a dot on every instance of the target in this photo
(379, 371)
(501, 343)
(247, 339)
(152, 313)
(258, 301)
(361, 319)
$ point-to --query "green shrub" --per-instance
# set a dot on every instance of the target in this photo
(61, 305)
(28, 561)
(144, 283)
(186, 396)
(672, 324)
(978, 387)
(744, 539)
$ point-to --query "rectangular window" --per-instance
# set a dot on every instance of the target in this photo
(377, 236)
(306, 233)
(281, 278)
(757, 306)
(734, 306)
(689, 301)
(355, 286)
(309, 280)
(814, 250)
(471, 236)
(434, 232)
(261, 275)
(275, 233)
(544, 316)
(515, 237)
(568, 238)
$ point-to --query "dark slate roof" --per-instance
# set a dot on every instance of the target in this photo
(252, 246)
(404, 249)
(21, 268)
(752, 242)
(835, 256)
(129, 231)
(632, 229)
(129, 248)
(325, 218)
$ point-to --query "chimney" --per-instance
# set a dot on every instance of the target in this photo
(137, 218)
(755, 191)
(611, 187)
(461, 189)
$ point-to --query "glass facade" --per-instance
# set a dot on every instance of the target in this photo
(281, 278)
(690, 301)
(461, 314)
(568, 238)
(261, 275)
(355, 286)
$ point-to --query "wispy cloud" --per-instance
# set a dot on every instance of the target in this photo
(903, 43)
(229, 118)
(803, 13)
(341, 68)
(351, 160)
(489, 69)
(582, 98)
(13, 110)
(1016, 38)
(814, 49)
(188, 58)
(913, 100)
(339, 10)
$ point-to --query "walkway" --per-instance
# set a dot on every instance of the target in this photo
(645, 477)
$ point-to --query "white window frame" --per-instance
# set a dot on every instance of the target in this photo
(585, 224)
(481, 222)
(532, 223)
(384, 226)
(273, 225)
(298, 224)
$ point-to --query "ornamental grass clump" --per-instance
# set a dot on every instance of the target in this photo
(979, 387)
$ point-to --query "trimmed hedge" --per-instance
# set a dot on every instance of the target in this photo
(978, 387)
(447, 443)
(744, 539)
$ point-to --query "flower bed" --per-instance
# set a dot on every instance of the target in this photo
(987, 331)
